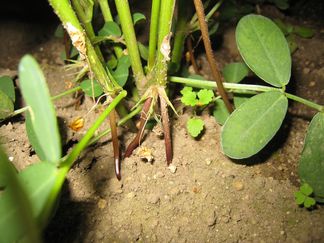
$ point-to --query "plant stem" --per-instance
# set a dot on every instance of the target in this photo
(68, 162)
(309, 103)
(191, 53)
(166, 130)
(114, 137)
(209, 53)
(120, 122)
(105, 9)
(23, 109)
(153, 32)
(164, 35)
(131, 42)
(145, 115)
(71, 23)
(86, 21)
(242, 89)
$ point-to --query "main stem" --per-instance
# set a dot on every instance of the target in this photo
(209, 53)
(153, 32)
(131, 43)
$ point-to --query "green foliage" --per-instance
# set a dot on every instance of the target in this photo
(137, 17)
(304, 196)
(220, 112)
(6, 105)
(264, 49)
(195, 126)
(16, 221)
(91, 88)
(143, 50)
(192, 98)
(253, 124)
(110, 28)
(7, 96)
(239, 99)
(7, 87)
(311, 163)
(43, 120)
(235, 72)
(288, 29)
(121, 73)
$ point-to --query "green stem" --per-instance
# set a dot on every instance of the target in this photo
(83, 44)
(309, 103)
(242, 89)
(153, 32)
(68, 162)
(120, 123)
(131, 42)
(86, 21)
(166, 14)
(105, 9)
(181, 32)
(23, 109)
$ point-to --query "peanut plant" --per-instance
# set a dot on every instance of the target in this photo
(28, 197)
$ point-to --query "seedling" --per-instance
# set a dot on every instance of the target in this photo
(304, 196)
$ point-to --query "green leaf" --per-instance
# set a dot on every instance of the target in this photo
(59, 32)
(311, 163)
(112, 62)
(195, 126)
(7, 86)
(264, 49)
(121, 74)
(309, 202)
(137, 17)
(32, 137)
(43, 118)
(16, 219)
(239, 99)
(188, 96)
(306, 189)
(91, 88)
(292, 43)
(299, 198)
(38, 181)
(6, 105)
(110, 28)
(124, 60)
(220, 112)
(143, 50)
(235, 72)
(304, 31)
(253, 124)
(205, 96)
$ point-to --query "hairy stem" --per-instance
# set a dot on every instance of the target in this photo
(86, 21)
(209, 53)
(166, 130)
(145, 113)
(83, 44)
(153, 32)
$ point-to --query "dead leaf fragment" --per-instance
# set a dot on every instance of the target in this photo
(77, 124)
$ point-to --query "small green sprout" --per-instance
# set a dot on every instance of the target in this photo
(189, 97)
(303, 196)
(195, 126)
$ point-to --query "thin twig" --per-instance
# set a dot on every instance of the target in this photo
(209, 53)
(191, 55)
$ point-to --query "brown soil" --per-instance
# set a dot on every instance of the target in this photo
(203, 197)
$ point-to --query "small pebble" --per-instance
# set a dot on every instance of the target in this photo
(211, 219)
(102, 203)
(11, 158)
(131, 195)
(238, 185)
(172, 168)
(208, 161)
(153, 198)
